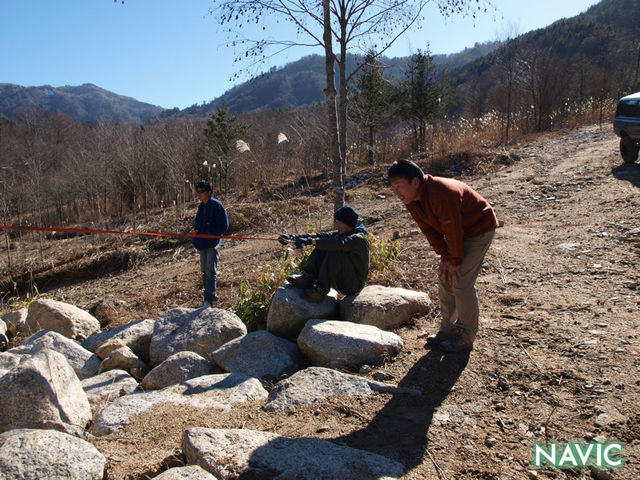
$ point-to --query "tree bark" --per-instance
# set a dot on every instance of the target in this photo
(342, 111)
(332, 113)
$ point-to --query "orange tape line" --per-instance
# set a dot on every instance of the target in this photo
(131, 232)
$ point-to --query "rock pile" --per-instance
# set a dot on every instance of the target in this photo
(67, 374)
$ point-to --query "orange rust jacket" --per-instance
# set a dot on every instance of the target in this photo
(448, 212)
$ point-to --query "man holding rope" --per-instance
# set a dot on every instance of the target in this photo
(339, 260)
(211, 219)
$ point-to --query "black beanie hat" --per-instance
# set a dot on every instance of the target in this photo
(347, 215)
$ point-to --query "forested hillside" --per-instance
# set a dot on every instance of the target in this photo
(302, 82)
(573, 64)
(86, 103)
(594, 55)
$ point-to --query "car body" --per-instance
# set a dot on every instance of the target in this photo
(626, 125)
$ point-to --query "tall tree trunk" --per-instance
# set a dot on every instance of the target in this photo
(6, 239)
(332, 113)
(508, 127)
(342, 111)
(372, 160)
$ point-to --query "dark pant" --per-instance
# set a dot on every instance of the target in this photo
(208, 265)
(334, 270)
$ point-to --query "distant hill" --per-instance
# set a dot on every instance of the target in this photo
(604, 37)
(302, 82)
(85, 103)
(600, 41)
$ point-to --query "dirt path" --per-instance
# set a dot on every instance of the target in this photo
(557, 357)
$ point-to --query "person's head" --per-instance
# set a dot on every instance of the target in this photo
(405, 177)
(346, 219)
(203, 190)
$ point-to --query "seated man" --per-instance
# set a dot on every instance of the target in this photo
(340, 259)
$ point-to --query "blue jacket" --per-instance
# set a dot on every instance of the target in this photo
(211, 219)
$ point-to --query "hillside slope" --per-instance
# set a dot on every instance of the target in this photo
(301, 83)
(556, 358)
(85, 103)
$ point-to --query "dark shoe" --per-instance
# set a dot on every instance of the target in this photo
(302, 280)
(457, 344)
(4, 342)
(438, 338)
(315, 295)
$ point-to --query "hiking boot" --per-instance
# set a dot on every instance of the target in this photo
(205, 305)
(316, 294)
(438, 338)
(456, 344)
(302, 280)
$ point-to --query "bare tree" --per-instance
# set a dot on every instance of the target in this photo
(508, 64)
(546, 77)
(351, 24)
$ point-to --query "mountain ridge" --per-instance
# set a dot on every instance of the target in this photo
(578, 39)
(85, 103)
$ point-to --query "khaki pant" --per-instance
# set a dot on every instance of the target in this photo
(461, 300)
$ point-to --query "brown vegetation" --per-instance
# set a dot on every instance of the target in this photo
(557, 354)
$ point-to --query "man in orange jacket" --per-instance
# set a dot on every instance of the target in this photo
(459, 225)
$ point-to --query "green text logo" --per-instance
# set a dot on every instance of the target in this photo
(576, 455)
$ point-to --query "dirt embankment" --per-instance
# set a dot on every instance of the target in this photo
(557, 357)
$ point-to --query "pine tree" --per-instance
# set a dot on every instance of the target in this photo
(371, 101)
(221, 133)
(424, 96)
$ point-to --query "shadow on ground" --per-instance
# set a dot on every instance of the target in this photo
(399, 431)
(629, 172)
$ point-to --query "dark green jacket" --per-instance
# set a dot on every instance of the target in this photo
(355, 247)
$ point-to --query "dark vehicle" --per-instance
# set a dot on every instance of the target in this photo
(627, 126)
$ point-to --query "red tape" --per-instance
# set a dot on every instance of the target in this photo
(131, 232)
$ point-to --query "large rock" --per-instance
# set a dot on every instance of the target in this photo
(315, 383)
(66, 319)
(48, 454)
(239, 453)
(190, 472)
(199, 330)
(4, 340)
(135, 335)
(289, 312)
(384, 307)
(8, 361)
(83, 362)
(220, 392)
(179, 367)
(103, 389)
(105, 349)
(124, 359)
(15, 321)
(337, 344)
(42, 390)
(258, 354)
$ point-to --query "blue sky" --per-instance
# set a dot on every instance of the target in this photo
(173, 54)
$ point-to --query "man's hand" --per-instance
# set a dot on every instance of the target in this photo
(285, 238)
(300, 241)
(449, 273)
